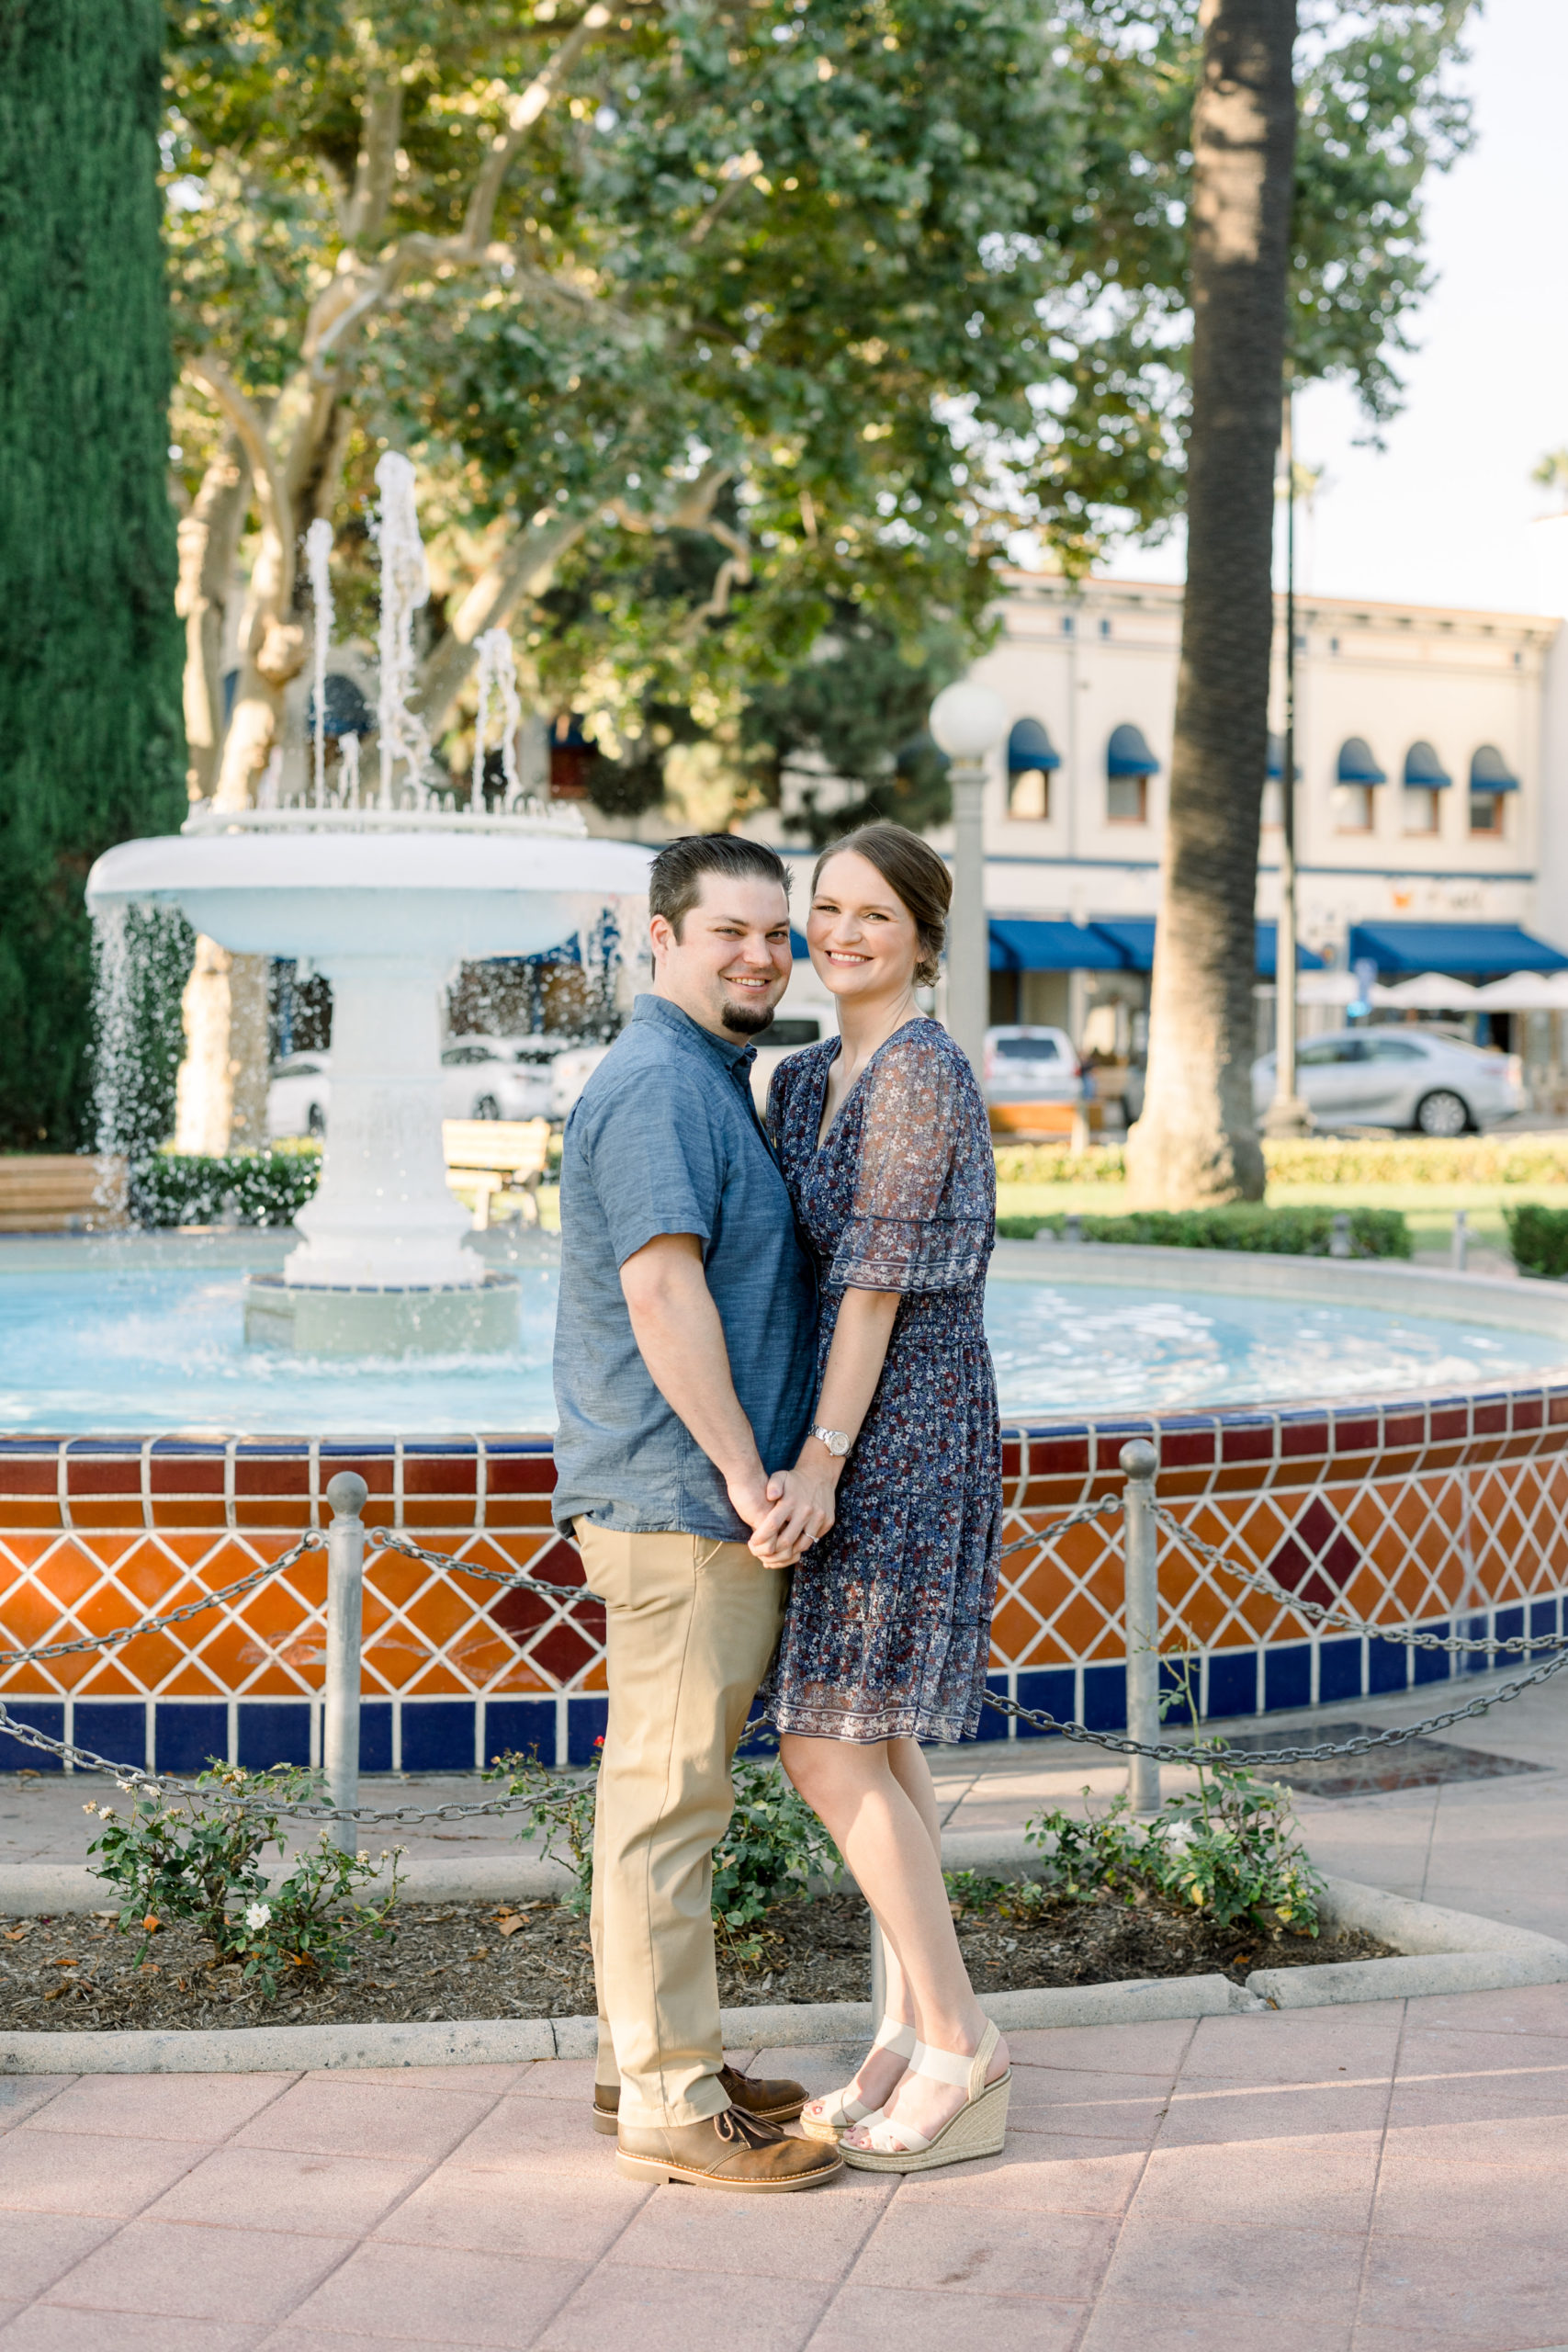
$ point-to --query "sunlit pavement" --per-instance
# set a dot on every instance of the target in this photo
(1391, 2178)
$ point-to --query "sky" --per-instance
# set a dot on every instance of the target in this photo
(1443, 513)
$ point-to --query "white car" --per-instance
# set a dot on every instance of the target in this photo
(483, 1077)
(1385, 1076)
(298, 1096)
(784, 1035)
(1025, 1065)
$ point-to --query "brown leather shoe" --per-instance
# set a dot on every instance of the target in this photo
(730, 2150)
(775, 2101)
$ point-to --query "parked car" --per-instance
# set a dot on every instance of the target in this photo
(483, 1077)
(784, 1036)
(569, 1074)
(1404, 1077)
(297, 1095)
(1031, 1066)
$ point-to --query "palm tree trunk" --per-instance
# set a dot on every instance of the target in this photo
(1196, 1142)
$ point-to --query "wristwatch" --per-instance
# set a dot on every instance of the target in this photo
(837, 1443)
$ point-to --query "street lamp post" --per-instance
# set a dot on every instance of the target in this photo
(967, 722)
(1288, 1115)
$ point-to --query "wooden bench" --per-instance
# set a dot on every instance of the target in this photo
(494, 1159)
(61, 1192)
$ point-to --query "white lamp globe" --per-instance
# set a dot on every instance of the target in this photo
(966, 720)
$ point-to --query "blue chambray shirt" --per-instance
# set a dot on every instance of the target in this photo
(664, 1139)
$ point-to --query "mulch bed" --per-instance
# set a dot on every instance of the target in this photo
(473, 1960)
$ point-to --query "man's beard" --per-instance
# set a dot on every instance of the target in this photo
(747, 1020)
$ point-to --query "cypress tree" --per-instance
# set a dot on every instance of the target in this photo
(91, 740)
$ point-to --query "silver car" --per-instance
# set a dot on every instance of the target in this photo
(1404, 1076)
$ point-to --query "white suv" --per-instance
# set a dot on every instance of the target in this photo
(1031, 1066)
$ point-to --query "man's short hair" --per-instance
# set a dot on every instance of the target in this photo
(675, 884)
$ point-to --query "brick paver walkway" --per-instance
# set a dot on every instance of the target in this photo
(1380, 2178)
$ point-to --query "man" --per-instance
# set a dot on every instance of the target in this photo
(685, 1383)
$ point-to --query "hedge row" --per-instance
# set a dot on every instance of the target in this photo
(1285, 1232)
(238, 1188)
(1538, 1238)
(1323, 1159)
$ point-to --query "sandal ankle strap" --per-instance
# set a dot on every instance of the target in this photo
(900, 2039)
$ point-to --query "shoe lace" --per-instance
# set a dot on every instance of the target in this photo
(745, 2131)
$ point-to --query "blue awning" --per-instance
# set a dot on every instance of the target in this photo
(1275, 770)
(1110, 943)
(797, 946)
(1029, 747)
(1019, 945)
(1470, 951)
(1424, 769)
(1357, 764)
(1490, 771)
(1134, 934)
(1128, 754)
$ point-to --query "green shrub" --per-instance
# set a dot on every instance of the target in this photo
(1537, 1239)
(773, 1846)
(240, 1187)
(199, 1859)
(1288, 1232)
(1229, 1849)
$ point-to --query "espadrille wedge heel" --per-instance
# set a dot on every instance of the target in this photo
(978, 2128)
(836, 2112)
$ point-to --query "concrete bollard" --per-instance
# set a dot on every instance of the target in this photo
(1459, 1248)
(1339, 1242)
(345, 1617)
(1141, 1619)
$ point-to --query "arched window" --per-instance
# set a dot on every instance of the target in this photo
(1032, 759)
(1129, 764)
(1355, 777)
(1425, 778)
(1490, 781)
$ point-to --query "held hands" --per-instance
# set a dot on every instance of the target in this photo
(801, 1509)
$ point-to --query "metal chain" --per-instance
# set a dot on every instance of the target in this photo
(1171, 1752)
(1259, 1580)
(310, 1541)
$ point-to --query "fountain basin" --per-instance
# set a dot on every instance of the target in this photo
(1435, 1500)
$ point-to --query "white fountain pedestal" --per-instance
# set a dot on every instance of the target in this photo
(384, 1268)
(387, 909)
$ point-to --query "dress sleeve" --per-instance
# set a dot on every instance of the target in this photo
(925, 1189)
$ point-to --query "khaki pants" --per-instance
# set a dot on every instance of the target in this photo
(692, 1625)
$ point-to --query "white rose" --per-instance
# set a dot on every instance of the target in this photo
(256, 1916)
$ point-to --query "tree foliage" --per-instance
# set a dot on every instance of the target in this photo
(90, 747)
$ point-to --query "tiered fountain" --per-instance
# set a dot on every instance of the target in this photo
(384, 897)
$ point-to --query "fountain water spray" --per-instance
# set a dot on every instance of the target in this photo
(318, 561)
(405, 586)
(498, 674)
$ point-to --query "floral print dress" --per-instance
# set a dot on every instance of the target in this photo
(887, 1631)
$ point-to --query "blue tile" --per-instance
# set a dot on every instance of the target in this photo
(587, 1721)
(1233, 1683)
(1543, 1617)
(375, 1735)
(188, 1732)
(1508, 1626)
(1339, 1669)
(759, 1739)
(39, 1714)
(993, 1725)
(274, 1731)
(516, 1727)
(1432, 1665)
(1388, 1666)
(1473, 1629)
(1105, 1698)
(1174, 1685)
(113, 1727)
(1050, 1690)
(438, 1734)
(1287, 1675)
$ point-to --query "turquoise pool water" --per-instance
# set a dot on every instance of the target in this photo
(99, 1342)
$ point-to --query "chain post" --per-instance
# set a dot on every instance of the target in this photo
(345, 1618)
(1141, 1619)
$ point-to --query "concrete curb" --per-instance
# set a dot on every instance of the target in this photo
(65, 1888)
(1445, 1951)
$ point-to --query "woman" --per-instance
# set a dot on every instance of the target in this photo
(883, 1138)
